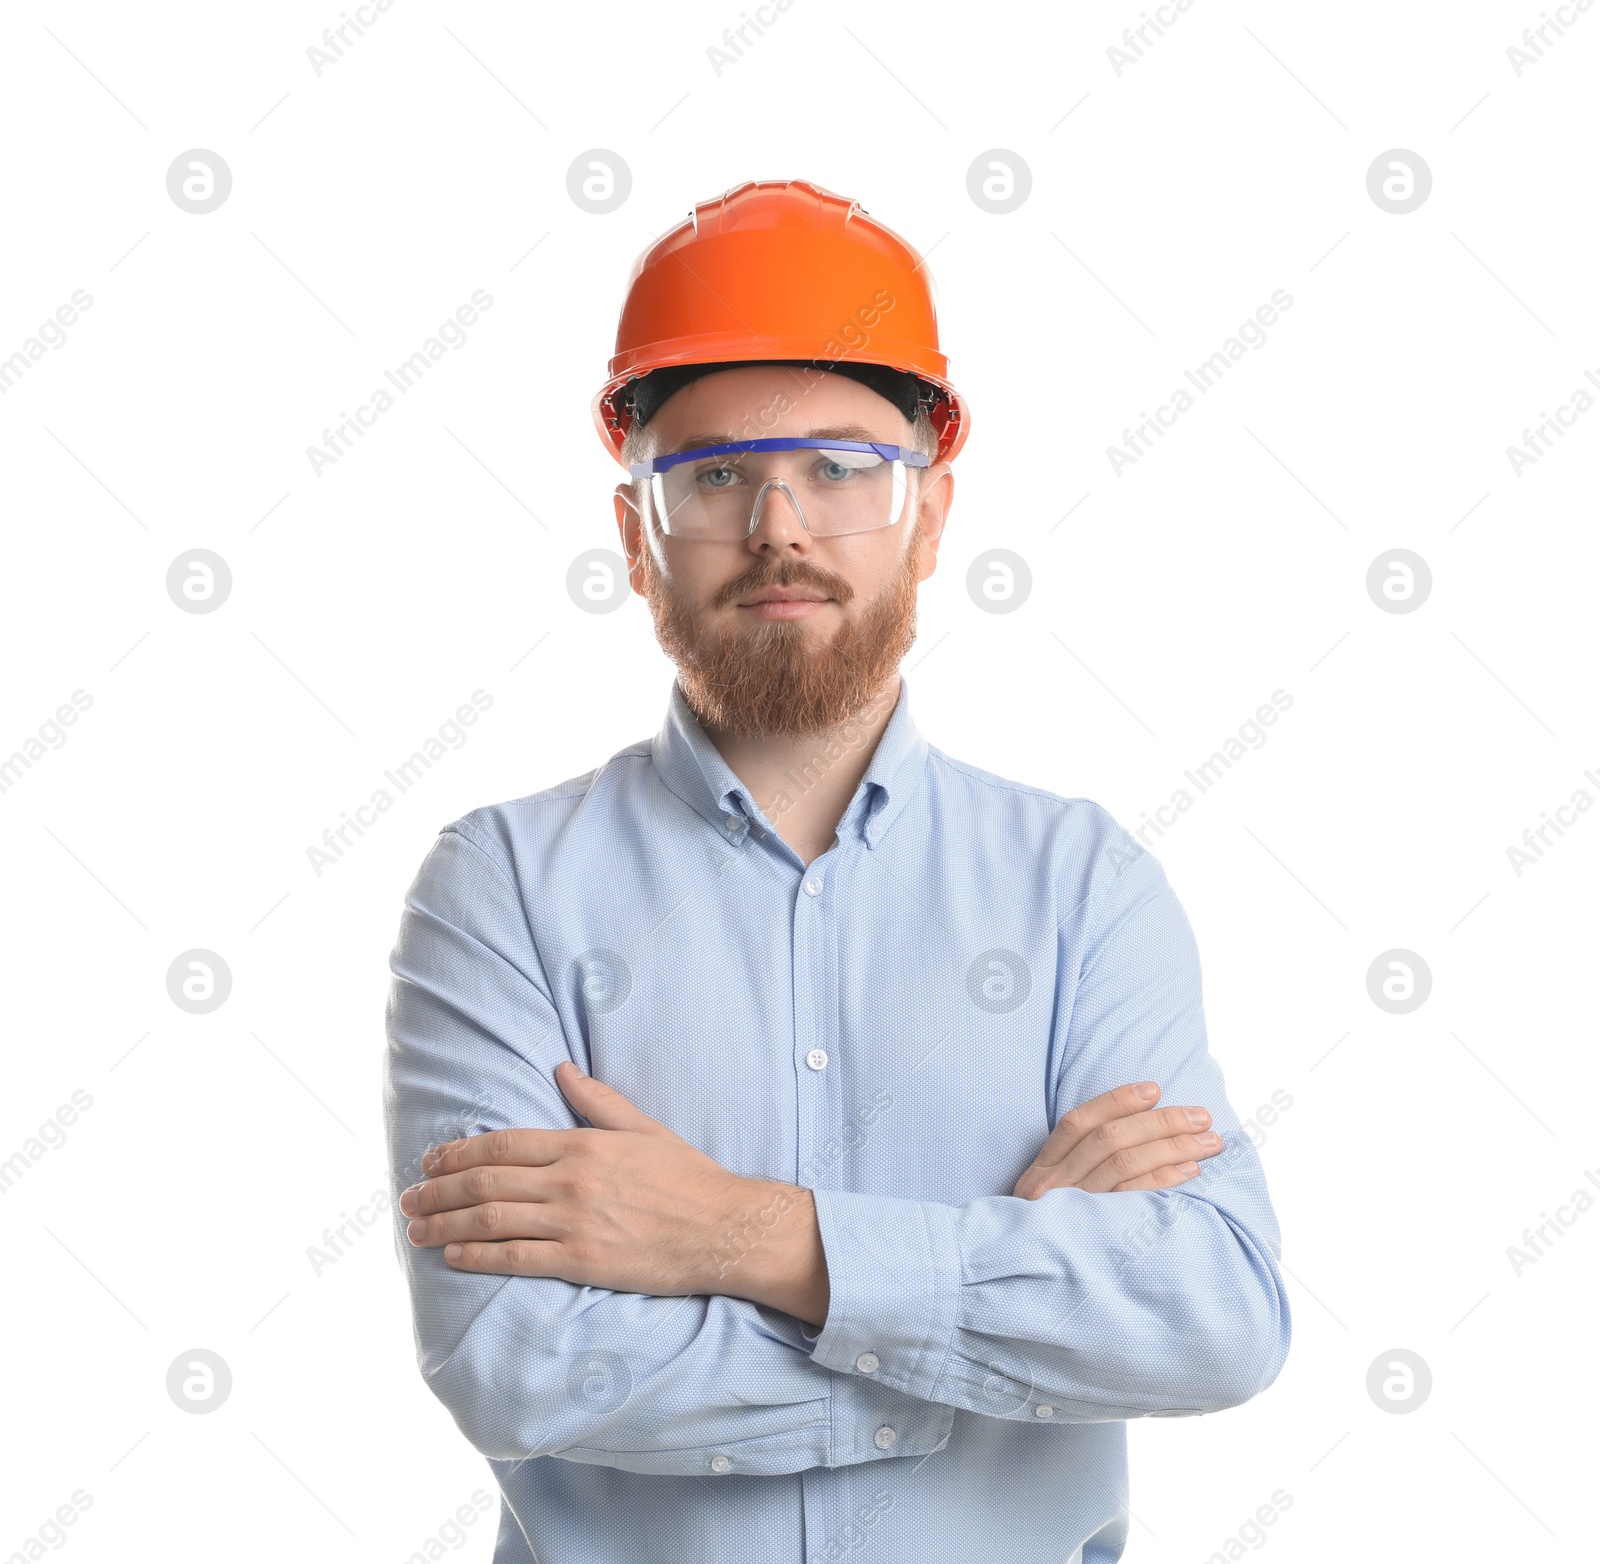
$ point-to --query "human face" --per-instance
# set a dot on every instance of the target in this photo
(782, 632)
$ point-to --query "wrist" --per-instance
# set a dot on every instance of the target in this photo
(770, 1250)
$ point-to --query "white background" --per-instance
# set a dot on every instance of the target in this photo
(1168, 603)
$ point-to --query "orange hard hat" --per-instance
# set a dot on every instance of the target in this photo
(779, 269)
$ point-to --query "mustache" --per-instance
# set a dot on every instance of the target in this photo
(785, 574)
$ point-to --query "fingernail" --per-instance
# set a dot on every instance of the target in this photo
(1208, 1140)
(1197, 1117)
(1148, 1092)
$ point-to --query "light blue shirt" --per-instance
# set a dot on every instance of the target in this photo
(897, 1026)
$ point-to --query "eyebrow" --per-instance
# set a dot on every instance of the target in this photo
(829, 432)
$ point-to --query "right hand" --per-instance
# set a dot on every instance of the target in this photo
(1119, 1140)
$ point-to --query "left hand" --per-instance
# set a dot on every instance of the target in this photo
(1119, 1141)
(627, 1205)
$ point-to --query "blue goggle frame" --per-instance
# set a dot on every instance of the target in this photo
(890, 453)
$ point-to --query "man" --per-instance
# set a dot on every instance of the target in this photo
(814, 1261)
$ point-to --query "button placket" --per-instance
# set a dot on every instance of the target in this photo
(815, 975)
(816, 1042)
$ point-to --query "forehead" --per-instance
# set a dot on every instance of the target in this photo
(763, 400)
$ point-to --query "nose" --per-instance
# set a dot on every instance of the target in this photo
(776, 521)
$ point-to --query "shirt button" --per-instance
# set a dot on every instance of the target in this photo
(818, 1058)
(720, 1463)
(1044, 1411)
(868, 1363)
(813, 885)
(884, 1437)
(732, 822)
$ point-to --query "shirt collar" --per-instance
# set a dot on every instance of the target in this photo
(692, 766)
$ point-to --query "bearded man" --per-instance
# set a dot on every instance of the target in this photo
(803, 1190)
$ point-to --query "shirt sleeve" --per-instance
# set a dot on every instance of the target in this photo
(1079, 1306)
(533, 1366)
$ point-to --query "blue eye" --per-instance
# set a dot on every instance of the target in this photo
(716, 472)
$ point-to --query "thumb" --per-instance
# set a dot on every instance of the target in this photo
(603, 1106)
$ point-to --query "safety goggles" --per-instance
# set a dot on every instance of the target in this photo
(837, 487)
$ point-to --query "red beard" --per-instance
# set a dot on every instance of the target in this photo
(764, 680)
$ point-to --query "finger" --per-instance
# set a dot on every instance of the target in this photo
(519, 1257)
(1067, 1164)
(1121, 1164)
(1136, 1097)
(604, 1106)
(496, 1221)
(1131, 1131)
(507, 1147)
(1162, 1178)
(1131, 1161)
(474, 1186)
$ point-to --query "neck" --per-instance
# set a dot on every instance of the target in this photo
(805, 784)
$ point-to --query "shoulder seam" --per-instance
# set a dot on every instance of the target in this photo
(469, 835)
(1110, 891)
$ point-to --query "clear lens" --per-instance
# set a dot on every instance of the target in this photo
(837, 492)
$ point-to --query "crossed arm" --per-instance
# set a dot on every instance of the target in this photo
(622, 1299)
(630, 1206)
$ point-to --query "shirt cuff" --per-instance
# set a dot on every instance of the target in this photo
(894, 1286)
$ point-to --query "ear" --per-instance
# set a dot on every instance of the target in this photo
(630, 528)
(933, 505)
